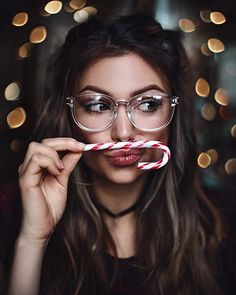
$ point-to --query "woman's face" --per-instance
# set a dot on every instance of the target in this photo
(120, 77)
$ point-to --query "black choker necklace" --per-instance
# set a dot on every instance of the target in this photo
(118, 214)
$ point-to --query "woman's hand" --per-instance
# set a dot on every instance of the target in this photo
(43, 179)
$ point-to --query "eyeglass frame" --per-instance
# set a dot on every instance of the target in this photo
(173, 100)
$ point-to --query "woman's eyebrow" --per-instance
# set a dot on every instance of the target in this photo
(95, 89)
(133, 93)
(146, 88)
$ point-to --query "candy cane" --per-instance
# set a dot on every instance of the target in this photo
(135, 145)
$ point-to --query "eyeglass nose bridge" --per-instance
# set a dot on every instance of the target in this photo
(127, 109)
(122, 102)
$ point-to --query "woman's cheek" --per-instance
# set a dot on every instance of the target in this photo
(93, 137)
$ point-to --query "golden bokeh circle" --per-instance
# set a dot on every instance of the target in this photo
(53, 7)
(12, 91)
(20, 19)
(215, 45)
(186, 25)
(230, 166)
(202, 87)
(213, 155)
(217, 17)
(233, 131)
(221, 97)
(208, 112)
(38, 34)
(16, 118)
(24, 50)
(77, 4)
(204, 160)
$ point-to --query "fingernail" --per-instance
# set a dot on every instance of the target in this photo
(80, 145)
(60, 165)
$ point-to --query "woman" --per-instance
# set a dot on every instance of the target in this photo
(92, 223)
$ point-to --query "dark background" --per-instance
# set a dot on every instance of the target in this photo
(219, 69)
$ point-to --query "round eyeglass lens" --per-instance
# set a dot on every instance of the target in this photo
(151, 112)
(94, 111)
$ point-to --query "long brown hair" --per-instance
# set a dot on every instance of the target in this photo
(175, 219)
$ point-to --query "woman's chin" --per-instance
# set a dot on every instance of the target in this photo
(124, 175)
(118, 171)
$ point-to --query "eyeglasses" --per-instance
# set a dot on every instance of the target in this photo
(147, 112)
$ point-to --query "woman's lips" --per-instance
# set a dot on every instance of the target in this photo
(122, 158)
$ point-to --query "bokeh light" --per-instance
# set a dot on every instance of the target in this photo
(215, 45)
(53, 7)
(186, 25)
(20, 19)
(16, 145)
(208, 112)
(90, 10)
(224, 112)
(221, 97)
(44, 13)
(25, 50)
(205, 16)
(204, 160)
(81, 16)
(16, 118)
(233, 131)
(38, 34)
(12, 91)
(205, 50)
(202, 87)
(68, 8)
(230, 166)
(217, 17)
(213, 155)
(77, 4)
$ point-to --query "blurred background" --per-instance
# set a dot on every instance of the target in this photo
(31, 30)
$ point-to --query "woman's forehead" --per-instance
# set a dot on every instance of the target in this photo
(124, 73)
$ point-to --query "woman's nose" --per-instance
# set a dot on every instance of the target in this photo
(122, 128)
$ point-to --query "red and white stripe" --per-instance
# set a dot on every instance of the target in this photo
(135, 145)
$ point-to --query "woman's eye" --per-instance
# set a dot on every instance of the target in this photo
(97, 107)
(149, 105)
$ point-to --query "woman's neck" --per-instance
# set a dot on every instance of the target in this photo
(117, 197)
(120, 200)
